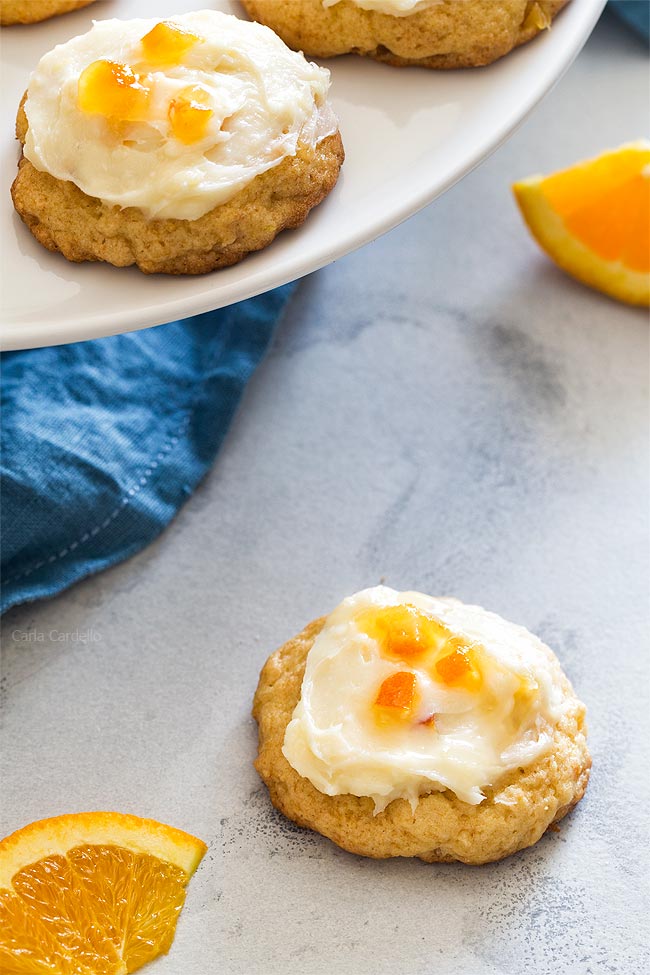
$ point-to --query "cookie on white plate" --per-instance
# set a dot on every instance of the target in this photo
(32, 11)
(179, 146)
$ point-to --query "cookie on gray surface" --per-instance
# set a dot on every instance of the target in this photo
(321, 763)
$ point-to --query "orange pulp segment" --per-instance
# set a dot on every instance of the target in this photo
(167, 43)
(113, 90)
(593, 220)
(92, 893)
(190, 114)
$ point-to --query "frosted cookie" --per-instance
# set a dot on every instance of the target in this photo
(31, 11)
(179, 146)
(408, 725)
(429, 33)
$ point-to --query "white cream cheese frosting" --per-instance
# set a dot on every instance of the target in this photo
(394, 8)
(461, 735)
(262, 97)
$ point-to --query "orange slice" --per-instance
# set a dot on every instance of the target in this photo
(94, 893)
(593, 220)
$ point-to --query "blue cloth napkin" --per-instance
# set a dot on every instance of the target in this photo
(103, 441)
(636, 13)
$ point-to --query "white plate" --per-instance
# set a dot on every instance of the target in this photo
(408, 135)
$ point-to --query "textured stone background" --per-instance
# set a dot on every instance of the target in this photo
(443, 410)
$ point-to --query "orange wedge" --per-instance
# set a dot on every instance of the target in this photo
(593, 220)
(91, 893)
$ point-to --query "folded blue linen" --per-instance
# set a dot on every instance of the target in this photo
(103, 441)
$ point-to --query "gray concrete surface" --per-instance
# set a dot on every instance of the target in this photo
(443, 410)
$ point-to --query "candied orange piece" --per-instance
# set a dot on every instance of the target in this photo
(113, 90)
(167, 43)
(403, 631)
(453, 667)
(190, 114)
(457, 668)
(398, 692)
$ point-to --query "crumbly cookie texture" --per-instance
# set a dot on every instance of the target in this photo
(82, 228)
(449, 34)
(514, 815)
(31, 11)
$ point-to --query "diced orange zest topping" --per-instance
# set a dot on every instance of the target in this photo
(397, 692)
(113, 90)
(190, 114)
(167, 43)
(407, 634)
(403, 631)
(458, 668)
(453, 667)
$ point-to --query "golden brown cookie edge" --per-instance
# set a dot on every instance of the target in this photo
(12, 13)
(51, 208)
(377, 31)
